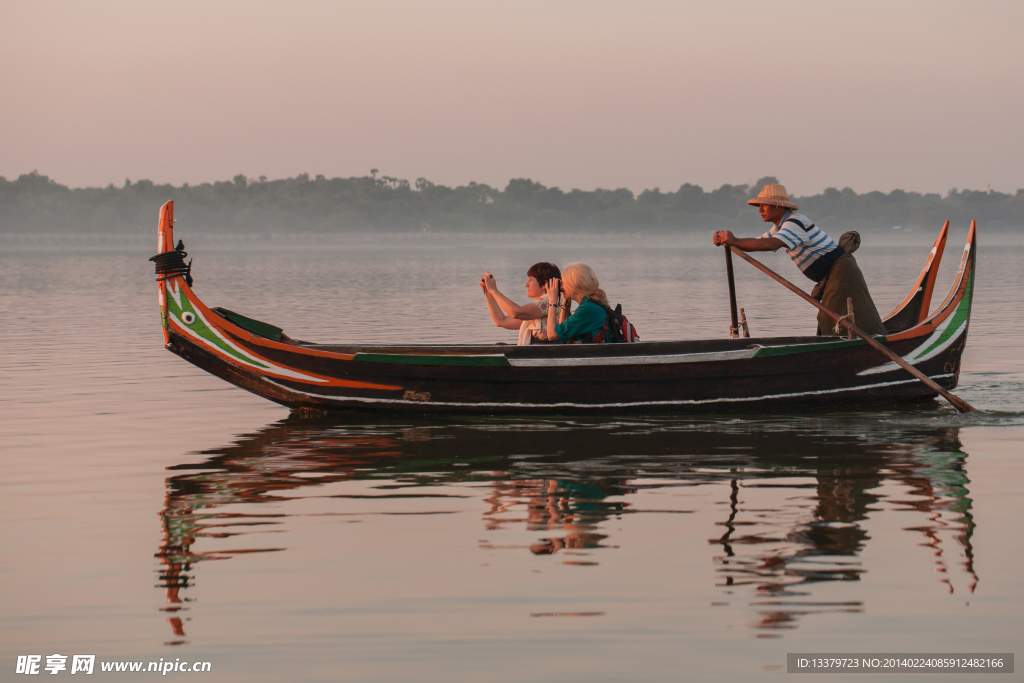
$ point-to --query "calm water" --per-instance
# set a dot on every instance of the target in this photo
(152, 511)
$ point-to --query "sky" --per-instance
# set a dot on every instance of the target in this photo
(917, 95)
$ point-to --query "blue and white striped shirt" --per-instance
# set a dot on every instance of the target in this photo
(811, 249)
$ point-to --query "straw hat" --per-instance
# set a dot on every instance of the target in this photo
(773, 194)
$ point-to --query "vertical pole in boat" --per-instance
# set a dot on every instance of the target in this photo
(849, 316)
(734, 328)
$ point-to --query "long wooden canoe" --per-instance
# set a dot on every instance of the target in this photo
(747, 374)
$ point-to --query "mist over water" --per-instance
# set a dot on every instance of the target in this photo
(150, 510)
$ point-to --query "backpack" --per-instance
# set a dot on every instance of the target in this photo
(617, 328)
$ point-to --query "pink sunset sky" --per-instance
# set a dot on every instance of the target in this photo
(917, 95)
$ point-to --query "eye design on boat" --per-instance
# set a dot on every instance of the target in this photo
(188, 317)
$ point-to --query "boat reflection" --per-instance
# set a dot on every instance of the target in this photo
(794, 494)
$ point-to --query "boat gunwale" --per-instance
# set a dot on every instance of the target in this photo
(648, 348)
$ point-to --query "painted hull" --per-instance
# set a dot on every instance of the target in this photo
(751, 374)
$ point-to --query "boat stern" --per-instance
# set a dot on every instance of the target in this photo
(940, 339)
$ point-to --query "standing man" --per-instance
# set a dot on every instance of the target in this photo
(835, 271)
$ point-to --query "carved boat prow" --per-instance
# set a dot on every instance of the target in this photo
(914, 308)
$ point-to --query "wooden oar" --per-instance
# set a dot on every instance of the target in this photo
(734, 330)
(958, 403)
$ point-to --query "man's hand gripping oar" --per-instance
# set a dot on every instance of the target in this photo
(958, 403)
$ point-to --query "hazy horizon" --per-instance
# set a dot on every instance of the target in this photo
(918, 96)
(498, 186)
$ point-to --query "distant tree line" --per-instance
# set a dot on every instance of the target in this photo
(36, 204)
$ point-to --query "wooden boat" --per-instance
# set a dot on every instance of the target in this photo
(749, 374)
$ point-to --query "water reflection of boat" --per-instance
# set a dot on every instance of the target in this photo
(685, 375)
(796, 493)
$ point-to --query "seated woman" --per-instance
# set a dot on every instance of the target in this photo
(580, 284)
(530, 318)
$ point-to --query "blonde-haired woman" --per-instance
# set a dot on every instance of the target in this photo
(580, 284)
